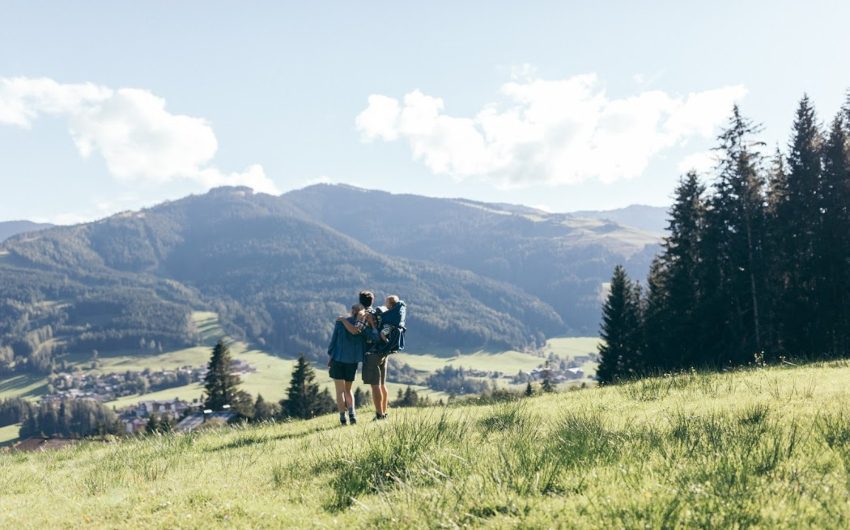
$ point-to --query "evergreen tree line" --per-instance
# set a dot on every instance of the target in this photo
(15, 410)
(303, 399)
(70, 419)
(755, 267)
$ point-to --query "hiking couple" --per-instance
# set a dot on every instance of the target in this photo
(368, 335)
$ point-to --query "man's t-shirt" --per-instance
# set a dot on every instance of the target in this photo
(369, 333)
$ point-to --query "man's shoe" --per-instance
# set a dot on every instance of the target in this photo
(342, 421)
(352, 420)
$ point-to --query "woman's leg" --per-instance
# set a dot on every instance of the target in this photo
(349, 397)
(339, 386)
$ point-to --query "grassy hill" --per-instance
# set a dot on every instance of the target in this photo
(765, 448)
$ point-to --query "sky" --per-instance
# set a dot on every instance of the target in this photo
(109, 106)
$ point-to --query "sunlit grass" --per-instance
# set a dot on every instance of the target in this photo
(765, 448)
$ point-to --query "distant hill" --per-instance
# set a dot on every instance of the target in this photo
(650, 218)
(561, 259)
(276, 276)
(12, 228)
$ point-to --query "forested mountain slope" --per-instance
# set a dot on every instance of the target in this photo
(276, 277)
(559, 258)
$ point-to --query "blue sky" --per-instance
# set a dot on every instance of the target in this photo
(107, 106)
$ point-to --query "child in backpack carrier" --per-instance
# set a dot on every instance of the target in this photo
(392, 324)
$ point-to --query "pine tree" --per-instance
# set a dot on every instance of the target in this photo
(799, 221)
(303, 398)
(681, 272)
(776, 251)
(737, 217)
(264, 410)
(153, 425)
(833, 274)
(358, 397)
(220, 383)
(621, 330)
(661, 350)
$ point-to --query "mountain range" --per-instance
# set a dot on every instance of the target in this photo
(278, 269)
(12, 228)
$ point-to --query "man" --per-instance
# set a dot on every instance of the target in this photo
(374, 363)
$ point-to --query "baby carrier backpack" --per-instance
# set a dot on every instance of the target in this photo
(391, 329)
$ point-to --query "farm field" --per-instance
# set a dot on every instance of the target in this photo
(761, 448)
(8, 434)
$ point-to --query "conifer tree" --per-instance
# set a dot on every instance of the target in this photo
(358, 397)
(798, 223)
(737, 219)
(776, 250)
(264, 410)
(220, 383)
(621, 330)
(153, 426)
(671, 308)
(303, 398)
(661, 350)
(833, 252)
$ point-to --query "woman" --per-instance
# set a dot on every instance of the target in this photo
(346, 350)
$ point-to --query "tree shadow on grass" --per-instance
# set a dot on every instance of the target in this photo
(249, 441)
(16, 385)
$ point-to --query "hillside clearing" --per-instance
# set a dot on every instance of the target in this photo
(759, 448)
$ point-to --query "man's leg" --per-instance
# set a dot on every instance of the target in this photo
(384, 399)
(384, 393)
(377, 400)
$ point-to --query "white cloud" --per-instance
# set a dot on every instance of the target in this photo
(130, 128)
(700, 162)
(555, 132)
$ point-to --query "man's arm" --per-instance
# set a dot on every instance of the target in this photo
(349, 326)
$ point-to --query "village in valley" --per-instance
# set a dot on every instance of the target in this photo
(86, 383)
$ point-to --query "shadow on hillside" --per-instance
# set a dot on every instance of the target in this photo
(258, 440)
(19, 382)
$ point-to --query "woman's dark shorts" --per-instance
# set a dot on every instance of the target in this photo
(344, 371)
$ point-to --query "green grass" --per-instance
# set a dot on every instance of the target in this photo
(9, 434)
(764, 448)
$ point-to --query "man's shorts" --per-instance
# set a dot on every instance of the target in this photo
(344, 371)
(375, 369)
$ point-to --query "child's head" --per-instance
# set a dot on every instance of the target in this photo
(391, 301)
(358, 311)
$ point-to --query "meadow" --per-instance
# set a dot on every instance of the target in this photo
(754, 448)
